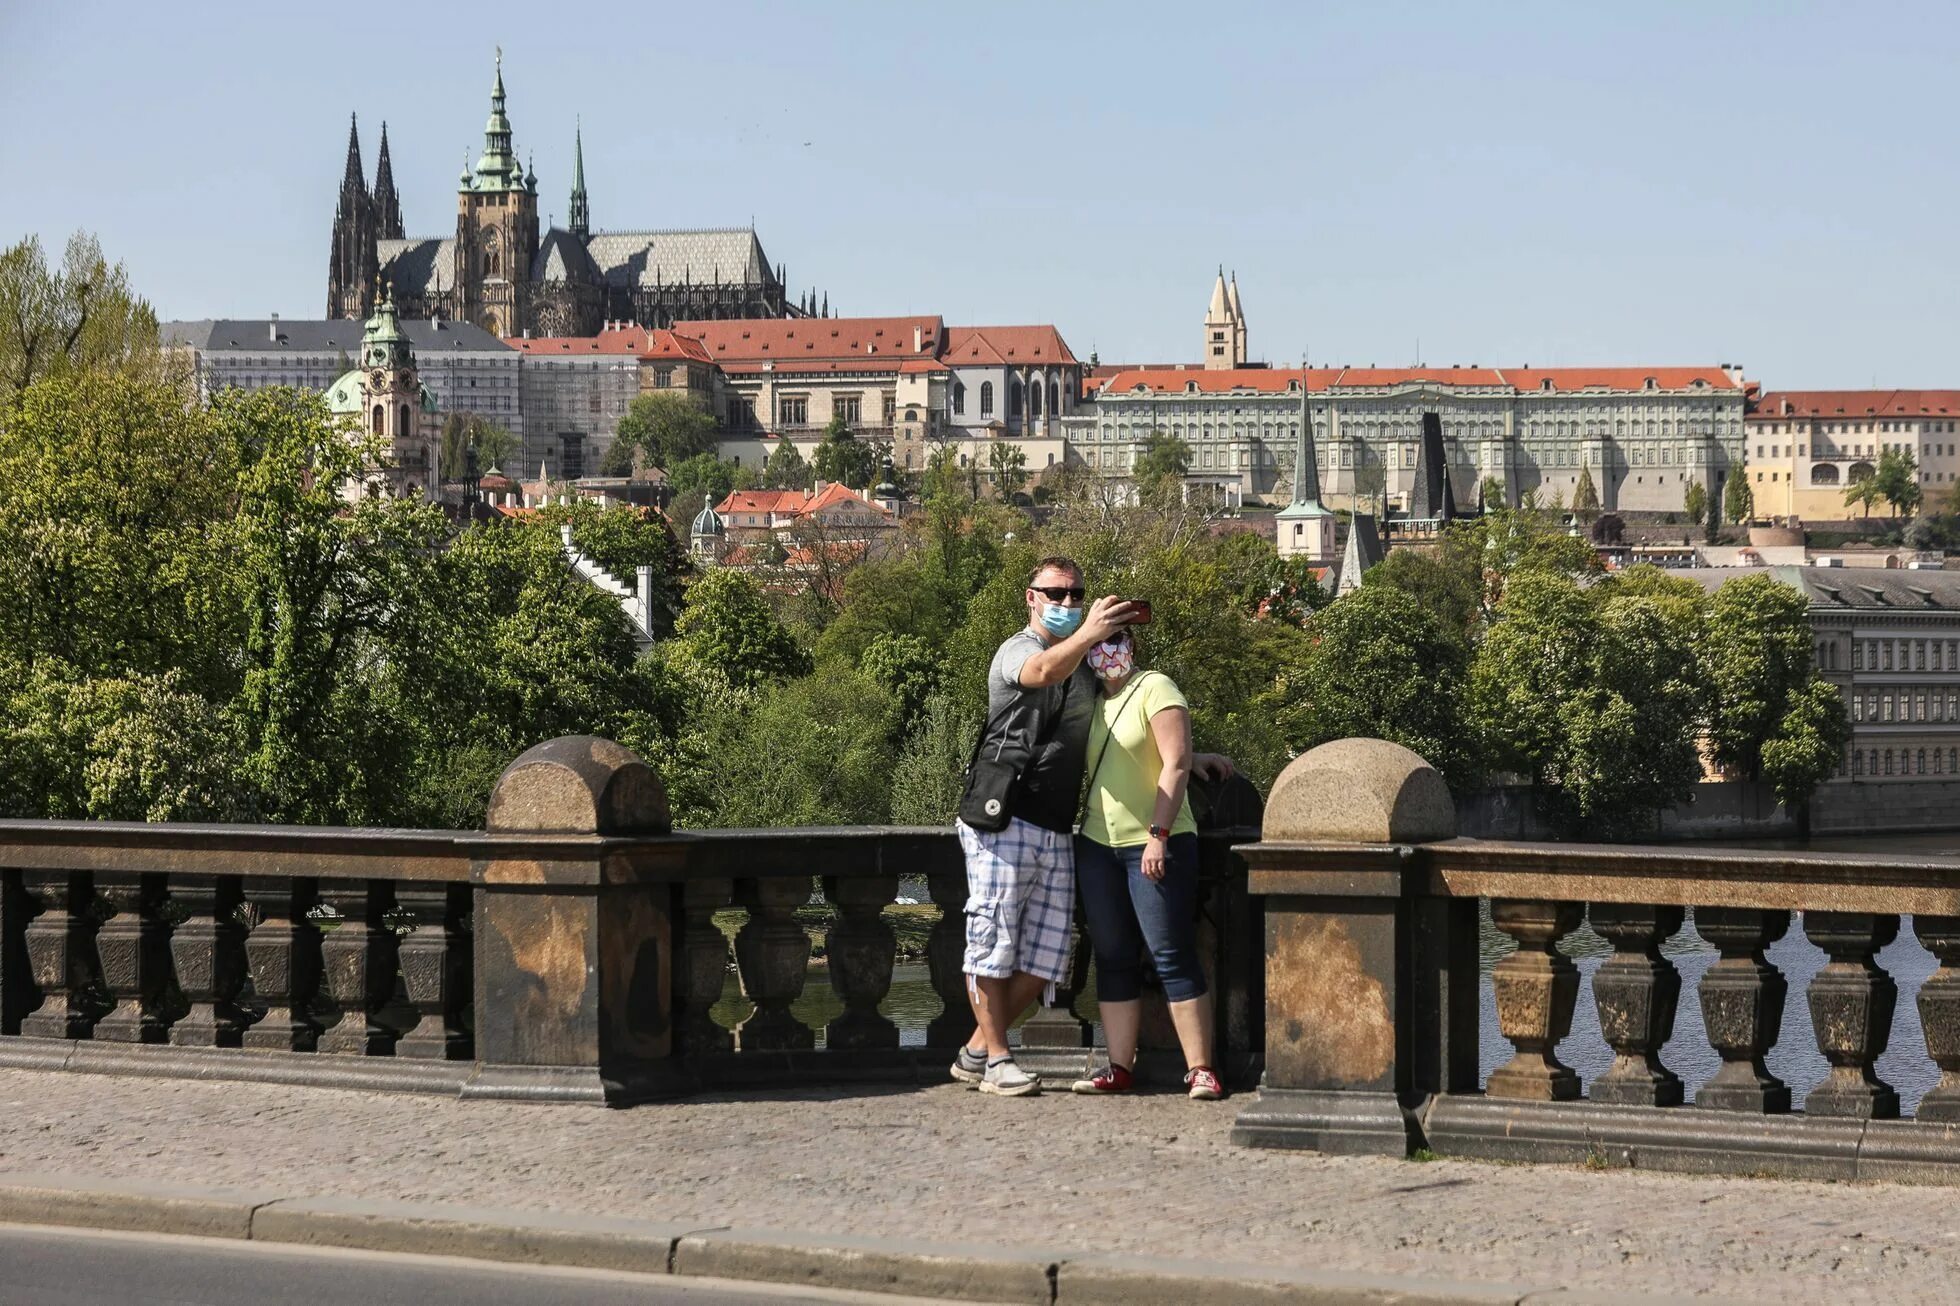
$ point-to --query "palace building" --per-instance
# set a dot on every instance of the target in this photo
(500, 271)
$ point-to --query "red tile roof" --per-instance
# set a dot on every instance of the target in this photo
(1387, 376)
(757, 340)
(793, 503)
(1857, 403)
(1270, 380)
(636, 341)
(1263, 380)
(1618, 378)
(1005, 344)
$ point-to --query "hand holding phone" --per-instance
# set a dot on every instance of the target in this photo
(1139, 611)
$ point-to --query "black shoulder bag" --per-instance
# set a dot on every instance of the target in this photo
(987, 799)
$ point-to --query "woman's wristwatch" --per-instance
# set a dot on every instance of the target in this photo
(1159, 832)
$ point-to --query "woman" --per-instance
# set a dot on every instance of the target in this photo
(1136, 866)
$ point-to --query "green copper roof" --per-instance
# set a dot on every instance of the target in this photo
(498, 169)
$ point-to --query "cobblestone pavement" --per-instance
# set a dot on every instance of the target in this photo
(1151, 1174)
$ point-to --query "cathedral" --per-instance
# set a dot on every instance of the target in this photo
(499, 272)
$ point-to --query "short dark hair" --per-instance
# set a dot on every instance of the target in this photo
(1057, 562)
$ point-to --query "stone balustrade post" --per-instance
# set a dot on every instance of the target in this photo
(1939, 1016)
(945, 954)
(772, 953)
(1371, 984)
(1637, 991)
(576, 890)
(1742, 998)
(207, 953)
(860, 947)
(56, 935)
(434, 966)
(703, 972)
(130, 945)
(1851, 1005)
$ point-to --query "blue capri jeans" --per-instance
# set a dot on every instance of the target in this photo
(1125, 913)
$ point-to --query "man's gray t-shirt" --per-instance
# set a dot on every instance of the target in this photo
(1053, 777)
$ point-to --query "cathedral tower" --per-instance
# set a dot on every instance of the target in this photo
(1306, 527)
(1224, 326)
(580, 215)
(352, 265)
(496, 228)
(387, 204)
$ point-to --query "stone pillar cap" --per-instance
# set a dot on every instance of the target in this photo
(1359, 791)
(579, 784)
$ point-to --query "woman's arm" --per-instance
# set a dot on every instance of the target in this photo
(1172, 730)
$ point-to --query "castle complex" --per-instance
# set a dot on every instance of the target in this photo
(500, 272)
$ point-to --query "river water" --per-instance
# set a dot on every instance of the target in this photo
(912, 1004)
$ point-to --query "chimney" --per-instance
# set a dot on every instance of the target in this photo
(274, 327)
(918, 340)
(565, 533)
(643, 587)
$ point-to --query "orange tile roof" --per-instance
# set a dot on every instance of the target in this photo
(639, 342)
(1618, 378)
(1005, 344)
(1272, 380)
(1386, 376)
(1264, 380)
(756, 340)
(1857, 403)
(792, 503)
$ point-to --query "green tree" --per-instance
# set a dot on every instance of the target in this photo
(80, 316)
(1007, 467)
(622, 539)
(1585, 496)
(814, 751)
(1738, 500)
(926, 779)
(1164, 461)
(727, 628)
(1694, 500)
(494, 445)
(1490, 491)
(666, 427)
(1378, 665)
(785, 469)
(1897, 480)
(1809, 743)
(906, 667)
(712, 477)
(1755, 655)
(944, 479)
(843, 458)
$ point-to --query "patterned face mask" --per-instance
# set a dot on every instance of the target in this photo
(1112, 660)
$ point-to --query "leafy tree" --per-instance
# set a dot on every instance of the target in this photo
(844, 458)
(622, 539)
(1585, 496)
(81, 316)
(667, 427)
(1378, 665)
(1695, 500)
(1863, 492)
(1280, 589)
(944, 479)
(1755, 655)
(906, 667)
(1897, 480)
(1808, 745)
(728, 629)
(814, 751)
(1738, 500)
(1490, 492)
(785, 469)
(925, 784)
(1007, 466)
(494, 445)
(1164, 460)
(712, 477)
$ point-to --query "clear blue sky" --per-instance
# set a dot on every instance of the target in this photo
(1554, 184)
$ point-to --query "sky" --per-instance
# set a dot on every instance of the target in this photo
(1769, 185)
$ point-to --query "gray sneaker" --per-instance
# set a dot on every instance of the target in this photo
(970, 1067)
(1005, 1079)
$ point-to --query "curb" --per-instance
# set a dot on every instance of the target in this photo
(1038, 1276)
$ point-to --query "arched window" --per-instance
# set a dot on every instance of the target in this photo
(1013, 397)
(1034, 400)
(986, 399)
(404, 429)
(959, 399)
(1054, 398)
(375, 420)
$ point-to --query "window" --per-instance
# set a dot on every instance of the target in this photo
(405, 428)
(1858, 762)
(1034, 400)
(848, 407)
(663, 377)
(793, 410)
(571, 458)
(1886, 705)
(375, 420)
(1858, 656)
(959, 399)
(1888, 761)
(986, 399)
(1918, 707)
(1886, 649)
(1921, 762)
(1013, 398)
(891, 408)
(1054, 398)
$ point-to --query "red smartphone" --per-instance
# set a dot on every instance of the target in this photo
(1141, 610)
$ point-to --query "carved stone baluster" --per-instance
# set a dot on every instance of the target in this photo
(703, 971)
(282, 951)
(1054, 1026)
(1537, 987)
(945, 954)
(772, 953)
(57, 941)
(1939, 1016)
(1742, 997)
(1637, 991)
(861, 949)
(435, 966)
(1851, 1005)
(130, 945)
(357, 965)
(207, 954)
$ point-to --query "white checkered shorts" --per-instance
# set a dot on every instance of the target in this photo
(1020, 905)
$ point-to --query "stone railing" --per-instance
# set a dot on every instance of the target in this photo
(569, 952)
(1374, 1010)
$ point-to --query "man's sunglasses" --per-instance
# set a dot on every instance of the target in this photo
(1056, 593)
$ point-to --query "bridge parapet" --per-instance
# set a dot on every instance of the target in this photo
(1374, 1013)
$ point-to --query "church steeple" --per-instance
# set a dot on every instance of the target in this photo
(351, 263)
(581, 216)
(352, 181)
(387, 204)
(1306, 527)
(498, 169)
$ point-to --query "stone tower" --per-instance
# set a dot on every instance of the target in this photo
(387, 204)
(1306, 527)
(385, 394)
(352, 266)
(1224, 327)
(1238, 309)
(496, 228)
(579, 217)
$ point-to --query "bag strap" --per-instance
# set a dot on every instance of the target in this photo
(1122, 700)
(1043, 734)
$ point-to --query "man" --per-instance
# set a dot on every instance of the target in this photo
(1021, 880)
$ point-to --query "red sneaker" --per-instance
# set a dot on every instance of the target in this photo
(1204, 1084)
(1110, 1079)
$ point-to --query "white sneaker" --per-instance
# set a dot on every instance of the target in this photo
(1005, 1079)
(970, 1067)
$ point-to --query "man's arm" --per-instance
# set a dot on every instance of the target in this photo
(1058, 661)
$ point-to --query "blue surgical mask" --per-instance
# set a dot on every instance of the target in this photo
(1060, 619)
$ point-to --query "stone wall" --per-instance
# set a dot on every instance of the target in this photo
(1725, 809)
(1896, 807)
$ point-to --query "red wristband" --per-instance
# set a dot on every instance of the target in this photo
(1159, 832)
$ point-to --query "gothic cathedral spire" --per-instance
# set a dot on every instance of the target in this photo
(581, 216)
(387, 204)
(352, 264)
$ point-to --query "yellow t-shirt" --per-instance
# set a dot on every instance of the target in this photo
(1123, 791)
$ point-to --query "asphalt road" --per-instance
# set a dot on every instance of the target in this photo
(42, 1266)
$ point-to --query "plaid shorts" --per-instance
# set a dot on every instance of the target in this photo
(1020, 904)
